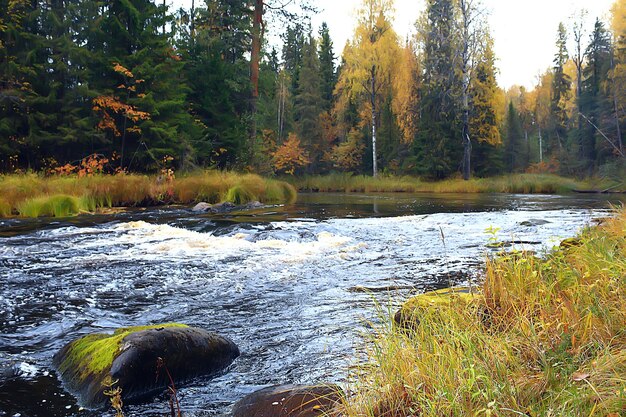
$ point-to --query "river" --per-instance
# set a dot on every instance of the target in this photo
(294, 286)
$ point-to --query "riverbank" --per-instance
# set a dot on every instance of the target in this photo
(543, 337)
(34, 195)
(512, 184)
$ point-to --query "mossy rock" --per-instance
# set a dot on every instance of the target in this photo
(571, 243)
(129, 359)
(408, 315)
(290, 401)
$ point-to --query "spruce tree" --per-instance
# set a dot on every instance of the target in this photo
(327, 66)
(595, 104)
(437, 150)
(308, 102)
(561, 92)
(514, 151)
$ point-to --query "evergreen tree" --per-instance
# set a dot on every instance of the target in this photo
(293, 43)
(327, 66)
(437, 149)
(218, 75)
(136, 39)
(308, 102)
(594, 103)
(514, 144)
(561, 91)
(484, 123)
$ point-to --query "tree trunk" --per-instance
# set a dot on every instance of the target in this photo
(255, 58)
(192, 31)
(540, 146)
(615, 107)
(467, 143)
(373, 102)
(466, 10)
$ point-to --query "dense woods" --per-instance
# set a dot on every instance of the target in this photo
(134, 86)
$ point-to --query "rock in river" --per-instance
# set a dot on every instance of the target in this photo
(440, 300)
(290, 401)
(130, 356)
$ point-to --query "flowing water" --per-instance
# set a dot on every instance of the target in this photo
(294, 287)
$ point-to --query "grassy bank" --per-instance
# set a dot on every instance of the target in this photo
(34, 195)
(544, 337)
(517, 183)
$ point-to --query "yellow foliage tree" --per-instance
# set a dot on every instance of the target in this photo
(485, 93)
(290, 156)
(406, 92)
(618, 73)
(370, 63)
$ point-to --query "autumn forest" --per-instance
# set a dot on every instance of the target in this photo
(136, 86)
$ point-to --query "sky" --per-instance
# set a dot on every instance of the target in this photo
(524, 31)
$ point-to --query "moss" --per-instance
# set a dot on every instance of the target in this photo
(435, 302)
(443, 297)
(95, 353)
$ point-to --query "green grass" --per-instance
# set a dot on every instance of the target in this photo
(515, 183)
(543, 337)
(51, 206)
(33, 195)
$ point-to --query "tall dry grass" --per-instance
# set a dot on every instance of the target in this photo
(33, 195)
(546, 337)
(517, 183)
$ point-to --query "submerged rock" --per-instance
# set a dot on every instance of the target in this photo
(225, 207)
(131, 359)
(408, 315)
(534, 222)
(290, 401)
(201, 208)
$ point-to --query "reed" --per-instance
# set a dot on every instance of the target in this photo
(545, 336)
(32, 195)
(517, 183)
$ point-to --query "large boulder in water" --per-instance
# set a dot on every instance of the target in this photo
(138, 360)
(290, 401)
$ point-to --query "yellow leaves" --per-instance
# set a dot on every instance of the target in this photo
(406, 89)
(122, 70)
(348, 154)
(618, 18)
(290, 156)
(108, 105)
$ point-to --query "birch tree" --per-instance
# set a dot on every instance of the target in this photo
(369, 62)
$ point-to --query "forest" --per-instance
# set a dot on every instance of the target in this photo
(135, 86)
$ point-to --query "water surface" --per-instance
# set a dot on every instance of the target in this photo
(292, 286)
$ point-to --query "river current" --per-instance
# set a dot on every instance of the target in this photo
(295, 287)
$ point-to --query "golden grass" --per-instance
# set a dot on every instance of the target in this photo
(517, 183)
(546, 337)
(33, 195)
